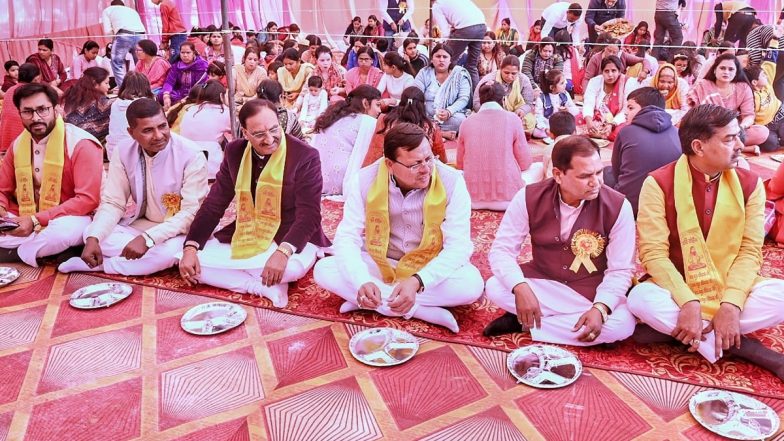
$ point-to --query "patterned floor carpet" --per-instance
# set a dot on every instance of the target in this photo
(130, 372)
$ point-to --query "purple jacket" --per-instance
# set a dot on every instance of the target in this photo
(182, 77)
(300, 199)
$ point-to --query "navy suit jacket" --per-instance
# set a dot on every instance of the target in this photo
(300, 198)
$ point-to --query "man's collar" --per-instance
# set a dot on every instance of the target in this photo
(561, 201)
(490, 105)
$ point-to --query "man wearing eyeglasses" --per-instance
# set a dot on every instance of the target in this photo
(404, 244)
(50, 180)
(276, 181)
(166, 175)
(573, 290)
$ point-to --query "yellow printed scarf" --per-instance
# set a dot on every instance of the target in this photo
(51, 183)
(706, 262)
(514, 99)
(377, 227)
(257, 223)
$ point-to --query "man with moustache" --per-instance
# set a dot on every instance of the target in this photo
(701, 233)
(573, 290)
(166, 175)
(277, 182)
(404, 244)
(50, 180)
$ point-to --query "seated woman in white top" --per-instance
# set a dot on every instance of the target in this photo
(398, 75)
(204, 119)
(135, 85)
(342, 136)
(605, 100)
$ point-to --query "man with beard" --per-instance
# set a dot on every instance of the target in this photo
(573, 290)
(50, 180)
(701, 233)
(404, 244)
(276, 180)
(166, 175)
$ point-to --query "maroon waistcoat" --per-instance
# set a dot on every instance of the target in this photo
(705, 196)
(552, 257)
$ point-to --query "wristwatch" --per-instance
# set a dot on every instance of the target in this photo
(148, 240)
(36, 224)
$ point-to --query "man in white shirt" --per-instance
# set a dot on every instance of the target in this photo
(166, 175)
(462, 23)
(573, 291)
(127, 27)
(397, 16)
(560, 16)
(404, 244)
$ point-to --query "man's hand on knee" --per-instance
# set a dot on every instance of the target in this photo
(92, 254)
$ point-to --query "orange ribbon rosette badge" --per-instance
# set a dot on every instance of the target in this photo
(585, 245)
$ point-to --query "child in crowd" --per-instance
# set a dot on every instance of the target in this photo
(272, 70)
(562, 124)
(767, 107)
(313, 103)
(11, 74)
(553, 98)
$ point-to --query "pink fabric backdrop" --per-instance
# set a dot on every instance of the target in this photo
(71, 22)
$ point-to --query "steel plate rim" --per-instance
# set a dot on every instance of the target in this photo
(204, 306)
(512, 355)
(363, 332)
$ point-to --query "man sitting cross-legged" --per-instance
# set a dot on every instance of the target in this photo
(701, 233)
(166, 175)
(50, 180)
(404, 243)
(573, 291)
(276, 180)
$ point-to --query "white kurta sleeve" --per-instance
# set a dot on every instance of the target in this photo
(620, 259)
(349, 237)
(508, 243)
(115, 193)
(456, 232)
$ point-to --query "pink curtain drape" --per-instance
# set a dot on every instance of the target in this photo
(71, 22)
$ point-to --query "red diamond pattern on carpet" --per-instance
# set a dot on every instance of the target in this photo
(208, 387)
(585, 411)
(271, 321)
(12, 375)
(70, 320)
(20, 327)
(5, 422)
(431, 384)
(39, 290)
(305, 355)
(490, 425)
(236, 430)
(667, 399)
(170, 300)
(335, 411)
(107, 413)
(494, 363)
(87, 359)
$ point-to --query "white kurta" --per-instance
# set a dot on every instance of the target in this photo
(61, 233)
(561, 306)
(656, 308)
(244, 275)
(449, 278)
